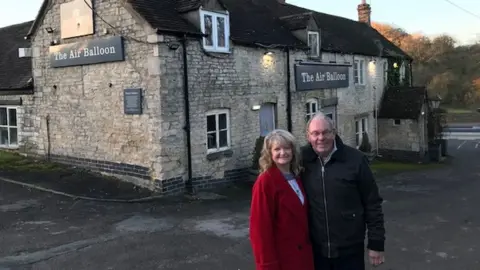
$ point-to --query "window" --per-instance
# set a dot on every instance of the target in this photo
(8, 126)
(218, 130)
(314, 43)
(311, 108)
(216, 26)
(359, 72)
(397, 122)
(360, 129)
(385, 73)
(402, 72)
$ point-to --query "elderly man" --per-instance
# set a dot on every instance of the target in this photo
(343, 200)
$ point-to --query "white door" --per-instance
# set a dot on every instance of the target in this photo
(267, 118)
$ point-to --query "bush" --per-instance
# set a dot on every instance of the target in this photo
(365, 145)
(257, 152)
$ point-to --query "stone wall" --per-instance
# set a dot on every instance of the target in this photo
(358, 100)
(405, 137)
(236, 81)
(87, 125)
(85, 103)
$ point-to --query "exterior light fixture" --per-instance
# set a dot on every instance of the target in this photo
(256, 107)
(268, 53)
(49, 30)
(395, 65)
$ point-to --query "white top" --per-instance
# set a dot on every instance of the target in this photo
(294, 184)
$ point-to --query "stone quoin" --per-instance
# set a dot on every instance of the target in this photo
(155, 102)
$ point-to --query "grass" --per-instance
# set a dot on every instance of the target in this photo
(381, 168)
(10, 161)
(462, 115)
(459, 111)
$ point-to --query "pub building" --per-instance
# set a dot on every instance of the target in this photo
(172, 95)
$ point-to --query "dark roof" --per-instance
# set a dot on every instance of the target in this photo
(163, 15)
(188, 5)
(251, 22)
(402, 102)
(254, 22)
(15, 72)
(344, 35)
(297, 21)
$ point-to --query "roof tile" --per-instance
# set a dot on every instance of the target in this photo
(15, 72)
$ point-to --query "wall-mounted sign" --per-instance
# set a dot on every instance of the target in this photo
(321, 76)
(87, 52)
(132, 101)
(76, 19)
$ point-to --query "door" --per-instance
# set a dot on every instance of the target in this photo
(267, 118)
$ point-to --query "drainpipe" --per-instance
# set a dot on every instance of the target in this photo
(289, 94)
(186, 128)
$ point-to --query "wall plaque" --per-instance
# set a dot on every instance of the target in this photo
(76, 19)
(87, 52)
(321, 76)
(132, 101)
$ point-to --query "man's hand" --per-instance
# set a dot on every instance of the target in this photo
(376, 257)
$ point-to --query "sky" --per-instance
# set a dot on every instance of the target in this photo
(458, 18)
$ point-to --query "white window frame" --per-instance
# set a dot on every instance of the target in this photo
(385, 73)
(8, 126)
(359, 133)
(333, 111)
(310, 102)
(402, 71)
(215, 47)
(217, 113)
(359, 72)
(314, 33)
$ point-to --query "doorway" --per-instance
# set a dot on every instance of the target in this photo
(267, 118)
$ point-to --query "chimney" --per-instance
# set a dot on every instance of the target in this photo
(364, 12)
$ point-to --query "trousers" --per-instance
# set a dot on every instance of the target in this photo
(355, 261)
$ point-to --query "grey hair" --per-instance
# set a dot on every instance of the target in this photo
(321, 116)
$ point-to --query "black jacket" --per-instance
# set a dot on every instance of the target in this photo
(344, 202)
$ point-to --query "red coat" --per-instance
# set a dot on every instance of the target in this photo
(279, 225)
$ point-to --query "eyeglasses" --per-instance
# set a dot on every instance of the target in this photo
(324, 133)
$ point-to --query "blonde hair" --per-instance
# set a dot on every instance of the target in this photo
(281, 137)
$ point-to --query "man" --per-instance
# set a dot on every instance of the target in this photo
(343, 201)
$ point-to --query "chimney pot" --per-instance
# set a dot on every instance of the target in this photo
(364, 12)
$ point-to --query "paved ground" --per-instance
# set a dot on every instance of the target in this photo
(432, 217)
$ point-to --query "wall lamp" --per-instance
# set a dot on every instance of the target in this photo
(268, 53)
(49, 30)
(173, 46)
(256, 107)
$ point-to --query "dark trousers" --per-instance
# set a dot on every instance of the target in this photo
(349, 262)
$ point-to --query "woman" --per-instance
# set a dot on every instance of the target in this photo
(278, 222)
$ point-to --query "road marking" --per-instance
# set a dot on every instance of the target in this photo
(476, 146)
(461, 145)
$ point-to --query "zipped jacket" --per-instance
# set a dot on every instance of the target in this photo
(344, 202)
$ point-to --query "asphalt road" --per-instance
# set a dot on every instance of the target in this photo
(462, 131)
(432, 221)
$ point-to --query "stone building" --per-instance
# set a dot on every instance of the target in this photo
(173, 94)
(403, 120)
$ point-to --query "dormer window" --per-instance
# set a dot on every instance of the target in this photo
(314, 43)
(217, 28)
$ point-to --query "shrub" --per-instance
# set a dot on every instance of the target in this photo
(257, 152)
(365, 145)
